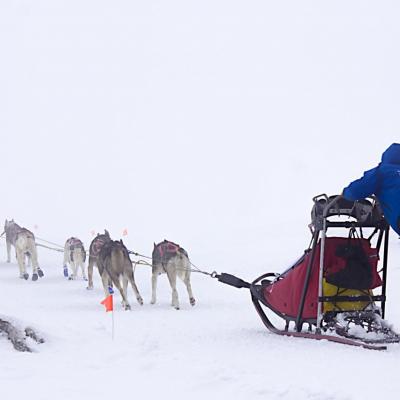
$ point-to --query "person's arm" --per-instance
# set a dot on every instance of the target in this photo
(363, 187)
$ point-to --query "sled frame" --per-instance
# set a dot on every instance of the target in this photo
(319, 228)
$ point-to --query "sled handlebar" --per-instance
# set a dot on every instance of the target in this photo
(330, 204)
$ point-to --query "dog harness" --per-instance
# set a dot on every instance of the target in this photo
(98, 244)
(75, 243)
(165, 250)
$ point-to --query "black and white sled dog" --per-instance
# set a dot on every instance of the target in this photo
(25, 247)
(94, 250)
(173, 260)
(75, 257)
(115, 265)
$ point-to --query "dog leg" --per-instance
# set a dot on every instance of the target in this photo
(186, 281)
(117, 284)
(66, 260)
(35, 265)
(105, 280)
(8, 251)
(125, 285)
(74, 267)
(154, 277)
(83, 271)
(172, 281)
(21, 264)
(82, 263)
(134, 287)
(90, 273)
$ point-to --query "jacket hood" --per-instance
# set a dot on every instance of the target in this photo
(392, 154)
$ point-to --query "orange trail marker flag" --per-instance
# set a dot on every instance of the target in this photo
(108, 303)
(125, 232)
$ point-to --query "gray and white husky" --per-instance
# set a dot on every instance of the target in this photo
(94, 250)
(173, 260)
(25, 247)
(115, 265)
(75, 257)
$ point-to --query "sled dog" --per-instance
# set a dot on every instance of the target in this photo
(75, 257)
(25, 247)
(115, 265)
(97, 243)
(173, 260)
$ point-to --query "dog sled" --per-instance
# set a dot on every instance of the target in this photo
(336, 291)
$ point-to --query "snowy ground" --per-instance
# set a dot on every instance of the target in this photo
(218, 349)
(209, 123)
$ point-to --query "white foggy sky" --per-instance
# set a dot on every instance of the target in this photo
(209, 123)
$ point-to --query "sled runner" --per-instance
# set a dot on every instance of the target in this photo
(335, 291)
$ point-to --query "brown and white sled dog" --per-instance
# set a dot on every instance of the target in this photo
(173, 260)
(94, 250)
(115, 265)
(75, 257)
(25, 247)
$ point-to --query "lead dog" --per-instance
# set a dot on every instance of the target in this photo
(25, 246)
(173, 260)
(97, 243)
(75, 256)
(115, 265)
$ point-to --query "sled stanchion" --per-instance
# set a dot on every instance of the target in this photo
(384, 272)
(320, 277)
(306, 283)
(379, 241)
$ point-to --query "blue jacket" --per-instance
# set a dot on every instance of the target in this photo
(384, 182)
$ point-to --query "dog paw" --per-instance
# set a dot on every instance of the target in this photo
(192, 301)
(140, 300)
